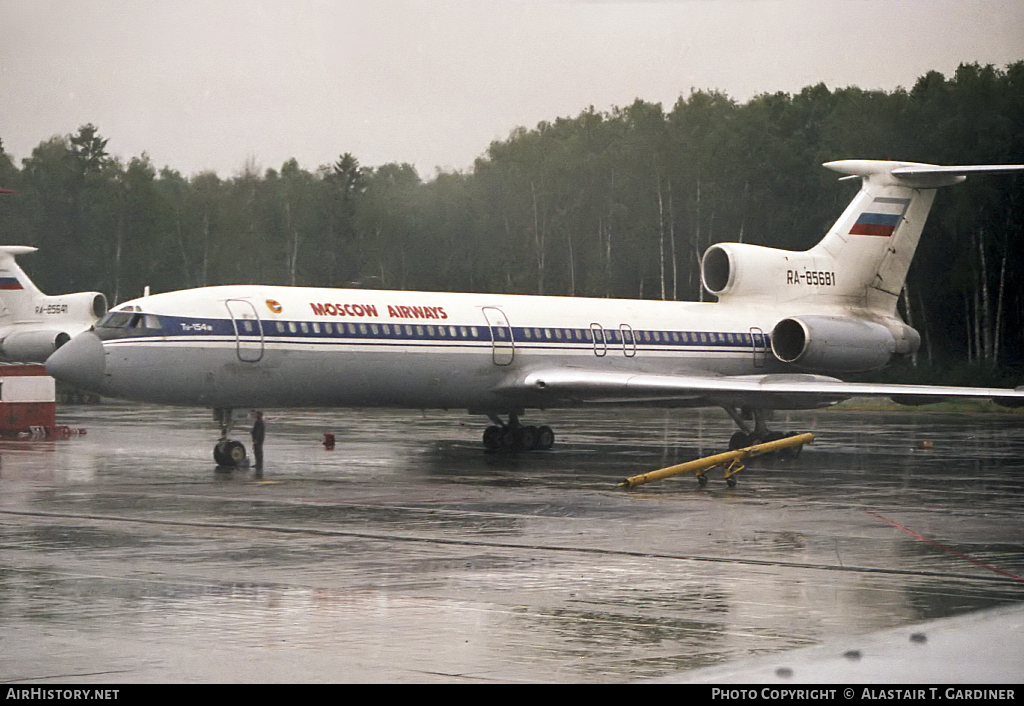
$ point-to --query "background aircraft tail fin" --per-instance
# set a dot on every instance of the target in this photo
(14, 283)
(34, 325)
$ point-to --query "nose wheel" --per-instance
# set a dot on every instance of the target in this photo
(229, 453)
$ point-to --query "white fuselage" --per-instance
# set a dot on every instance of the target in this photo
(258, 346)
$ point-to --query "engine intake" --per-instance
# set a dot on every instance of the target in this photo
(716, 269)
(841, 344)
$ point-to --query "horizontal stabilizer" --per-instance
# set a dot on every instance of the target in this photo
(17, 249)
(916, 174)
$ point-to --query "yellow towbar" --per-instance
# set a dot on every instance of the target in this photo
(730, 461)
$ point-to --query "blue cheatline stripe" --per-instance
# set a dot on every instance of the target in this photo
(179, 329)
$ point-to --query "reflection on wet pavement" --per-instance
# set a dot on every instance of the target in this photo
(409, 554)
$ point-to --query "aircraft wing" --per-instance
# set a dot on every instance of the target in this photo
(775, 391)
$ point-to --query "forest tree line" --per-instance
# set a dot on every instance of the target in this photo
(605, 204)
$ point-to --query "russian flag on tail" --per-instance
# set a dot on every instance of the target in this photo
(881, 218)
(8, 283)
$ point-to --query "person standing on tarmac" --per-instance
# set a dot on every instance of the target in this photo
(259, 433)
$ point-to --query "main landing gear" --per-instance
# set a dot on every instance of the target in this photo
(516, 437)
(760, 434)
(227, 452)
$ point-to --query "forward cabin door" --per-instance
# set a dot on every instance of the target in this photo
(248, 330)
(503, 348)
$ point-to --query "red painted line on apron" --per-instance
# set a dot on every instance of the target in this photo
(914, 534)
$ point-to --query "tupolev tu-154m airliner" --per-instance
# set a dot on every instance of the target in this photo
(785, 324)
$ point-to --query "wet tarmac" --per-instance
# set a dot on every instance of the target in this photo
(408, 554)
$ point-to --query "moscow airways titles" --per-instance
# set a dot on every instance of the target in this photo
(370, 310)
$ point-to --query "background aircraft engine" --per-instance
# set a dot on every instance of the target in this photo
(79, 306)
(840, 344)
(32, 346)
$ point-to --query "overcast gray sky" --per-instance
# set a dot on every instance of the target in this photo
(206, 84)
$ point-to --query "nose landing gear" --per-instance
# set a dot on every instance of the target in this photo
(228, 453)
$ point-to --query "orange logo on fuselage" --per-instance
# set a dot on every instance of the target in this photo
(274, 306)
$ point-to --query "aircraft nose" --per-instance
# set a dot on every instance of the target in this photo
(80, 362)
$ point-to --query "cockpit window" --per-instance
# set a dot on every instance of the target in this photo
(115, 319)
(128, 319)
(146, 321)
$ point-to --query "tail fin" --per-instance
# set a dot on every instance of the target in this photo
(877, 235)
(862, 261)
(15, 285)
